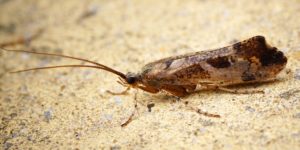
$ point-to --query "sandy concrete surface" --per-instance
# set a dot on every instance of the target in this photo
(69, 108)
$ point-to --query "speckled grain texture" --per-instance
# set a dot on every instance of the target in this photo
(69, 108)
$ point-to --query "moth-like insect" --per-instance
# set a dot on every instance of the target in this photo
(248, 61)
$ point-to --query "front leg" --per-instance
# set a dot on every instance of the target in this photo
(226, 89)
(124, 92)
(149, 89)
(176, 90)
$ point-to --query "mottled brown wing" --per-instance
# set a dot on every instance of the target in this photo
(247, 61)
(184, 69)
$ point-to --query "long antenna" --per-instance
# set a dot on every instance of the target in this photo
(52, 67)
(58, 55)
(98, 65)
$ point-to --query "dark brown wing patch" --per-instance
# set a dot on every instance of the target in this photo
(272, 57)
(192, 71)
(257, 46)
(219, 62)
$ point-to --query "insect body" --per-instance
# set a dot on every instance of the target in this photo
(249, 61)
(252, 60)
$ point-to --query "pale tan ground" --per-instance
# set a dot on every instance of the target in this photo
(69, 108)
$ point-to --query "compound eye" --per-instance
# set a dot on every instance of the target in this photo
(131, 80)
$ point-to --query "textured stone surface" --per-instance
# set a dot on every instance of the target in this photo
(69, 108)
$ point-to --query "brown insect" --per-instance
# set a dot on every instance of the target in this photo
(252, 60)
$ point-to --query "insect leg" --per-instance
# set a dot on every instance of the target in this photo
(133, 113)
(148, 89)
(225, 89)
(176, 90)
(200, 112)
(240, 91)
(119, 93)
(205, 87)
(204, 113)
(130, 117)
